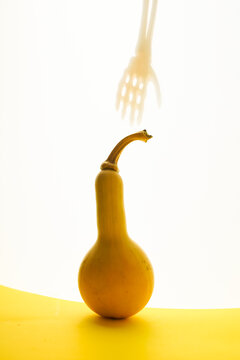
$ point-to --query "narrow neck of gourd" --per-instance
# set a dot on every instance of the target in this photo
(111, 218)
(109, 192)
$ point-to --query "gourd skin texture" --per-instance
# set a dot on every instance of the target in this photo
(115, 278)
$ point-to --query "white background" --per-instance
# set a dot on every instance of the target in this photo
(60, 65)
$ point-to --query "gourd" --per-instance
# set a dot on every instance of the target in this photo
(116, 277)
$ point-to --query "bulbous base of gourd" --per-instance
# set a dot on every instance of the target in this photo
(116, 279)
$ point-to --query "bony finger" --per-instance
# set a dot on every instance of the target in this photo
(154, 80)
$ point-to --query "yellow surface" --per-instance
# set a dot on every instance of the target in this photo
(37, 327)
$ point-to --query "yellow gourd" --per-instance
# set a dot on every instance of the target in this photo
(116, 277)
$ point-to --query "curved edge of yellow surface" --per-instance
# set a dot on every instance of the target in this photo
(17, 304)
(38, 327)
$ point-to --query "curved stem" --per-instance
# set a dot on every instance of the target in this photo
(111, 162)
